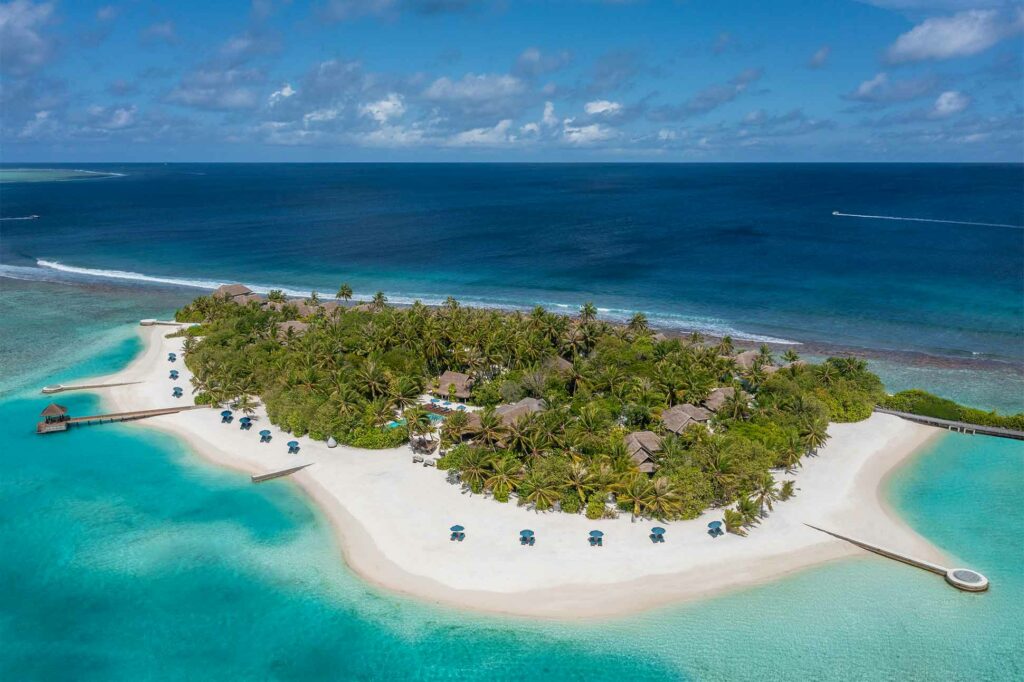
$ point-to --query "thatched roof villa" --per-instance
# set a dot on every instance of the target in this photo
(679, 417)
(462, 383)
(641, 446)
(509, 413)
(295, 328)
(717, 398)
(746, 359)
(231, 292)
(556, 363)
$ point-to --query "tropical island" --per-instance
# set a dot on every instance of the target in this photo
(573, 414)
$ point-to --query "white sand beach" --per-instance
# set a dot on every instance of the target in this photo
(392, 516)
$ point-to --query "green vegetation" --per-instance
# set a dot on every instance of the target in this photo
(351, 371)
(928, 405)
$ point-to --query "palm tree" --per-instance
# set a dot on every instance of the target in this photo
(539, 490)
(638, 323)
(735, 405)
(246, 404)
(403, 392)
(765, 493)
(373, 378)
(790, 356)
(276, 296)
(665, 501)
(475, 469)
(748, 510)
(734, 522)
(579, 480)
(379, 301)
(637, 491)
(504, 478)
(492, 429)
(454, 427)
(314, 299)
(344, 293)
(588, 312)
(787, 490)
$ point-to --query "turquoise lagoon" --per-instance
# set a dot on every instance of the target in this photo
(127, 557)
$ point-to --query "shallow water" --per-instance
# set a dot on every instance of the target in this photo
(135, 560)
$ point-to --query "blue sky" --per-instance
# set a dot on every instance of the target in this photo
(512, 80)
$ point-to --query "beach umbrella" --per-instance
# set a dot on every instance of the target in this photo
(715, 525)
(596, 534)
(456, 528)
(265, 432)
(293, 443)
(245, 420)
(226, 413)
(526, 533)
(658, 530)
(461, 408)
(435, 400)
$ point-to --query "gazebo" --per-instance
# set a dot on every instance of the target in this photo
(54, 413)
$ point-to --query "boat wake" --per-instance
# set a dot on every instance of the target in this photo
(926, 220)
(23, 217)
(52, 271)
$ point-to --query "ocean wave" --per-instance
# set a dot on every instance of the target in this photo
(660, 320)
(22, 217)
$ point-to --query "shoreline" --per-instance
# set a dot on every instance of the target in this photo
(390, 517)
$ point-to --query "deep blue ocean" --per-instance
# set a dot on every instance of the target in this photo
(126, 557)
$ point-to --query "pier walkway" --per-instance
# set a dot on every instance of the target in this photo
(959, 427)
(960, 578)
(259, 478)
(60, 388)
(64, 424)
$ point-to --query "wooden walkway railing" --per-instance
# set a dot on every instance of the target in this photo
(959, 427)
(53, 427)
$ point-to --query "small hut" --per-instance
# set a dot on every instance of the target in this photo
(641, 447)
(556, 363)
(677, 418)
(718, 397)
(746, 359)
(462, 384)
(509, 413)
(291, 328)
(54, 413)
(232, 292)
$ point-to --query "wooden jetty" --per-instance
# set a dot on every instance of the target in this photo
(964, 579)
(259, 478)
(61, 388)
(959, 427)
(55, 417)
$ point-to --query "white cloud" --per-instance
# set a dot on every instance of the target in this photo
(384, 110)
(602, 107)
(666, 135)
(106, 13)
(392, 136)
(321, 115)
(950, 103)
(530, 129)
(549, 119)
(584, 135)
(499, 134)
(475, 87)
(960, 35)
(882, 91)
(38, 126)
(285, 92)
(160, 32)
(22, 47)
(108, 118)
(218, 90)
(819, 58)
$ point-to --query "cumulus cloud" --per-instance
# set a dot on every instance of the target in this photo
(111, 118)
(549, 119)
(474, 87)
(960, 35)
(283, 93)
(343, 10)
(583, 135)
(820, 57)
(499, 134)
(382, 111)
(880, 90)
(949, 103)
(23, 48)
(602, 107)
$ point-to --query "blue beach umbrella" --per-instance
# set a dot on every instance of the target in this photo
(245, 420)
(265, 432)
(435, 400)
(596, 534)
(456, 528)
(226, 413)
(526, 533)
(715, 525)
(658, 530)
(293, 443)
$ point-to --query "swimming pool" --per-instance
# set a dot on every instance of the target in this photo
(435, 419)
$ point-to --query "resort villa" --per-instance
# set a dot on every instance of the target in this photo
(453, 384)
(641, 447)
(678, 417)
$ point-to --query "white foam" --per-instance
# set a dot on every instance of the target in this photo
(926, 220)
(705, 325)
(24, 217)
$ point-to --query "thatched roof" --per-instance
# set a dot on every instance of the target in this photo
(246, 299)
(509, 413)
(54, 410)
(557, 363)
(641, 446)
(363, 308)
(718, 397)
(678, 417)
(658, 337)
(231, 291)
(294, 326)
(462, 383)
(745, 360)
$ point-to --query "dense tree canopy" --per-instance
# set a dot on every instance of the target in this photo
(346, 372)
